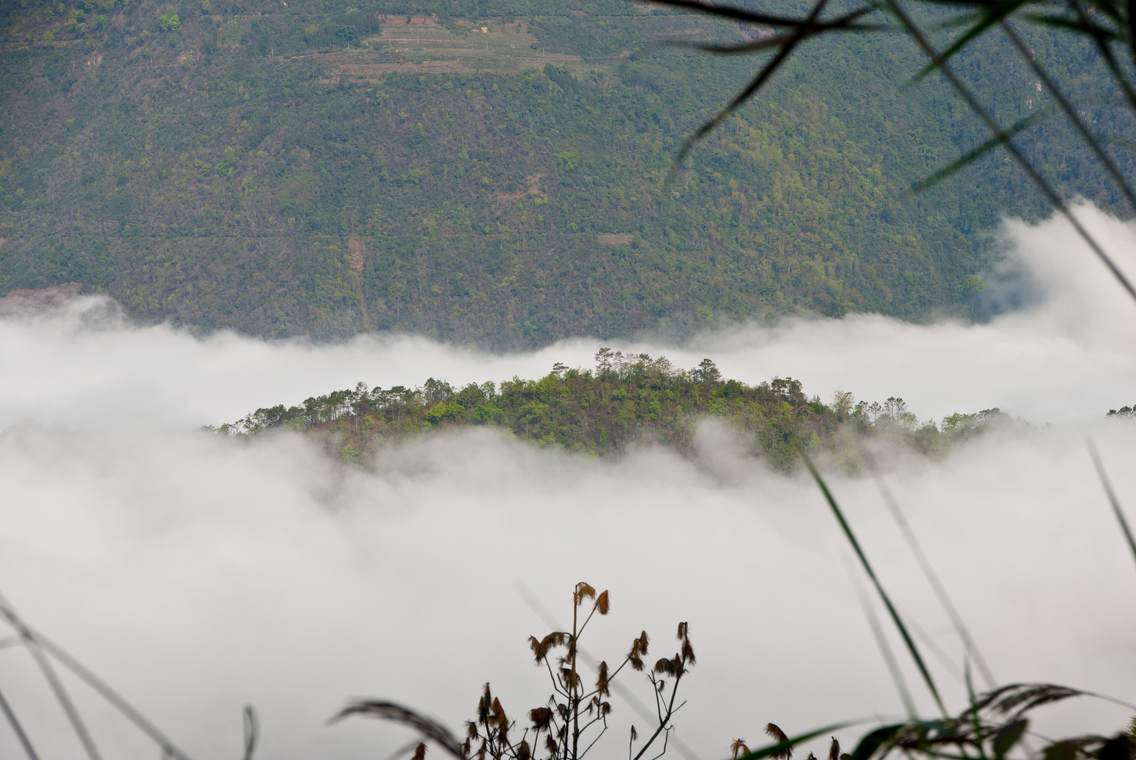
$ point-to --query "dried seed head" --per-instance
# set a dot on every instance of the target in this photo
(523, 751)
(584, 591)
(570, 679)
(601, 680)
(638, 649)
(420, 752)
(834, 750)
(542, 647)
(541, 717)
(781, 737)
(603, 603)
(498, 714)
(688, 652)
(483, 705)
(739, 748)
(682, 630)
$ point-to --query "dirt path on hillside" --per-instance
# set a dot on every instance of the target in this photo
(357, 261)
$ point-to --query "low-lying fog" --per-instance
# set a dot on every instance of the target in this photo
(198, 574)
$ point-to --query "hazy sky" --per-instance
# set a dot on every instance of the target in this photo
(198, 574)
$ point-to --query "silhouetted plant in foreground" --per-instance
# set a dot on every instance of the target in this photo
(575, 717)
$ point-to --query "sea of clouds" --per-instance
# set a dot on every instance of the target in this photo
(199, 574)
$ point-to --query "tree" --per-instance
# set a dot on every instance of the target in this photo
(169, 21)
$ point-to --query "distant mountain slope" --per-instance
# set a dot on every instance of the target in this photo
(487, 170)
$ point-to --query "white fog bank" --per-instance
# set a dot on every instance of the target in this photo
(1067, 356)
(199, 574)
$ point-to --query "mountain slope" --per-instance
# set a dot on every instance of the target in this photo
(490, 171)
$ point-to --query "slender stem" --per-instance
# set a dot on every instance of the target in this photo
(100, 687)
(662, 721)
(18, 728)
(588, 619)
(593, 742)
(892, 611)
(557, 683)
(888, 655)
(1124, 526)
(928, 571)
(575, 682)
(52, 678)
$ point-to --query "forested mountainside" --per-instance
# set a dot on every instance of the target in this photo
(494, 171)
(626, 400)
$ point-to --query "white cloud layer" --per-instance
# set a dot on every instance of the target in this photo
(199, 574)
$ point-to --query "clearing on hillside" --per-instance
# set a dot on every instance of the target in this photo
(421, 45)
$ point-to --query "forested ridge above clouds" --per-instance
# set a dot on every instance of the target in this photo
(627, 401)
(492, 171)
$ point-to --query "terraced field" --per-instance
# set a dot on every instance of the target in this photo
(422, 45)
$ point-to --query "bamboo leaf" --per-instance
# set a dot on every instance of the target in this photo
(1008, 736)
(875, 739)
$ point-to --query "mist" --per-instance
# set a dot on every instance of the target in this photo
(198, 574)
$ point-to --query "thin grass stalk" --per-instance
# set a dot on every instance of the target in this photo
(82, 733)
(251, 731)
(1070, 113)
(971, 101)
(936, 649)
(928, 570)
(17, 728)
(976, 721)
(887, 654)
(1125, 528)
(101, 688)
(891, 608)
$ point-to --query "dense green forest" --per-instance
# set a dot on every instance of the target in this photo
(494, 170)
(626, 400)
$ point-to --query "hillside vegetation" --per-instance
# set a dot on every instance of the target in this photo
(625, 401)
(492, 170)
